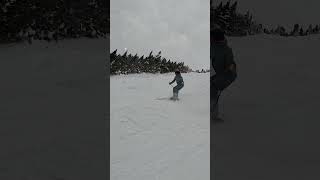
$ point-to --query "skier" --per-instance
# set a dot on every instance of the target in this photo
(180, 84)
(223, 64)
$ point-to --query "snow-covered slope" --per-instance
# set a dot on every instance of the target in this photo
(271, 113)
(159, 139)
(48, 126)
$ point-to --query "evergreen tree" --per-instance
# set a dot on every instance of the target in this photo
(301, 32)
(316, 29)
(233, 8)
(227, 6)
(296, 30)
(309, 30)
(220, 7)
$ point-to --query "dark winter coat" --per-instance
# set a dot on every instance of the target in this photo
(221, 59)
(178, 79)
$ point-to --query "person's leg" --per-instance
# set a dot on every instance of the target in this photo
(175, 89)
(175, 92)
(214, 106)
(179, 87)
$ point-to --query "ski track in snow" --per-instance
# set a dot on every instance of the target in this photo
(159, 139)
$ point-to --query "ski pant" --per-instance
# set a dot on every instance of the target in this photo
(217, 84)
(177, 88)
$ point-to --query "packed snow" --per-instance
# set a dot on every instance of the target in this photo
(271, 112)
(49, 129)
(270, 117)
(153, 137)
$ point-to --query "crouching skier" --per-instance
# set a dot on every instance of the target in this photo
(222, 62)
(180, 84)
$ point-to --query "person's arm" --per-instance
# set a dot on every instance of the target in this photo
(231, 65)
(232, 68)
(172, 81)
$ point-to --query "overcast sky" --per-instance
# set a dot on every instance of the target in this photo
(282, 12)
(179, 28)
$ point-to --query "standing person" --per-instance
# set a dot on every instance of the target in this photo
(223, 64)
(180, 84)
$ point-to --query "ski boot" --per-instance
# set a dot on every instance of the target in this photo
(174, 97)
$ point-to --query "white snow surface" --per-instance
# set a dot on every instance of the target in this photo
(270, 113)
(271, 126)
(51, 110)
(159, 139)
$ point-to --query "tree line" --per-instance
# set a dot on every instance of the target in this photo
(297, 30)
(29, 20)
(227, 17)
(234, 23)
(130, 64)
